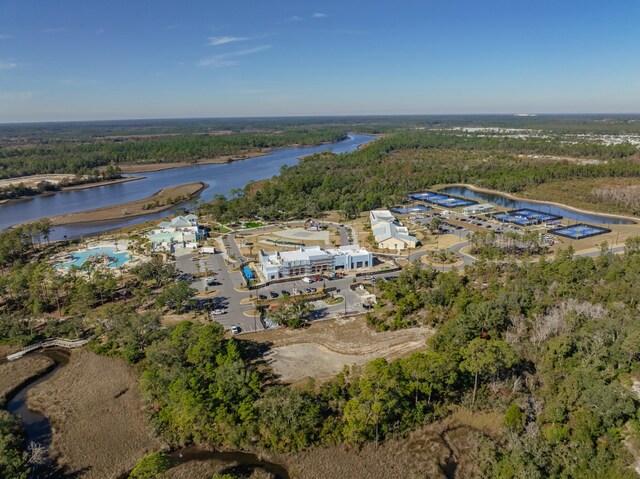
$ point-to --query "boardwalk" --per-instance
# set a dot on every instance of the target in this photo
(59, 343)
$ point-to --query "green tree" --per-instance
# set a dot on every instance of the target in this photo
(151, 466)
(374, 403)
(482, 357)
(178, 295)
(514, 418)
(13, 462)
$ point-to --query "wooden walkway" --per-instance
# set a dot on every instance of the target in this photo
(59, 343)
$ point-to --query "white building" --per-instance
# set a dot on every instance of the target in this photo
(313, 260)
(389, 232)
(475, 209)
(182, 231)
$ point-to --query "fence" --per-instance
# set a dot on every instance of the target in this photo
(60, 343)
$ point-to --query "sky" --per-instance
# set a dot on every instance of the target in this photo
(113, 59)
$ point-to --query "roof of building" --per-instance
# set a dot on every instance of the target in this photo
(385, 227)
(309, 253)
(381, 215)
(348, 250)
(180, 222)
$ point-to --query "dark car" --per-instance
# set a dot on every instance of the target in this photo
(262, 296)
(273, 294)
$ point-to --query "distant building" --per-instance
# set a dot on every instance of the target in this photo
(182, 231)
(389, 232)
(313, 260)
(475, 209)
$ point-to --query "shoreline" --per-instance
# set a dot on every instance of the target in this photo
(71, 188)
(115, 212)
(152, 167)
(553, 203)
(221, 160)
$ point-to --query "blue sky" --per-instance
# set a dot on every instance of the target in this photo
(96, 59)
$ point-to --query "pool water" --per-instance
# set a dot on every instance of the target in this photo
(81, 257)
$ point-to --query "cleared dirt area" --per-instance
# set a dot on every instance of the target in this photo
(96, 413)
(14, 374)
(325, 347)
(54, 178)
(32, 181)
(165, 199)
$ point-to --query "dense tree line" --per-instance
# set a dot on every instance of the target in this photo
(553, 346)
(82, 158)
(382, 173)
(545, 345)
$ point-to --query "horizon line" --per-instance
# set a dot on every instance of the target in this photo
(346, 115)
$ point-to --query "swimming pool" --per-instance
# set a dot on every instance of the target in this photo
(118, 258)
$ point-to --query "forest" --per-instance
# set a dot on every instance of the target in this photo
(542, 347)
(83, 156)
(545, 347)
(382, 173)
(550, 350)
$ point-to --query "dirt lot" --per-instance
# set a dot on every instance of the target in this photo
(95, 408)
(16, 373)
(132, 208)
(325, 347)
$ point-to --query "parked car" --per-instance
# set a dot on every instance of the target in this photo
(273, 294)
(235, 329)
(218, 312)
(307, 280)
(262, 296)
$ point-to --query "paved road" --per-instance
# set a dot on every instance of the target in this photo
(232, 300)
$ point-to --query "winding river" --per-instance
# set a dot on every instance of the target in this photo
(220, 179)
(38, 429)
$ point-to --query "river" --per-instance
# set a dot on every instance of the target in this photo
(511, 203)
(38, 429)
(219, 178)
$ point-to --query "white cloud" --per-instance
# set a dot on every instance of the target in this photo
(100, 31)
(295, 18)
(5, 37)
(7, 65)
(216, 41)
(319, 15)
(228, 59)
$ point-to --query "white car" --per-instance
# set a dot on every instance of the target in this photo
(218, 312)
(235, 329)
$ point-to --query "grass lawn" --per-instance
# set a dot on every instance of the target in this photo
(253, 224)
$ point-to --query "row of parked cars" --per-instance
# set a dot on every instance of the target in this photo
(284, 292)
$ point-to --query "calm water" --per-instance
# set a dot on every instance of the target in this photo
(80, 257)
(220, 179)
(517, 204)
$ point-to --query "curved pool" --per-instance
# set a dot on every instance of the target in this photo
(511, 203)
(117, 258)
